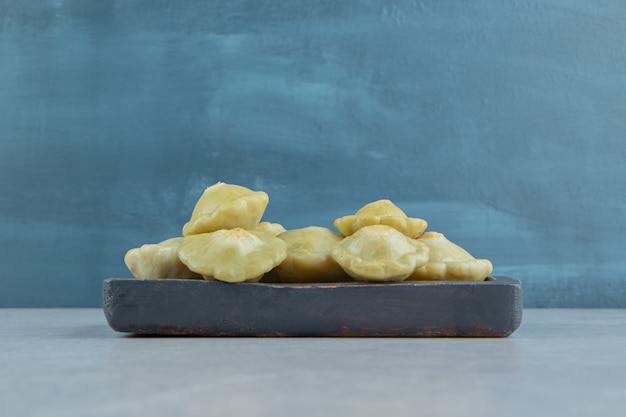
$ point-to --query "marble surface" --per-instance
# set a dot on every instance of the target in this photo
(68, 362)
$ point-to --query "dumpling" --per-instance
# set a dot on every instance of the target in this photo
(233, 255)
(158, 260)
(271, 228)
(449, 262)
(379, 253)
(308, 257)
(381, 212)
(226, 206)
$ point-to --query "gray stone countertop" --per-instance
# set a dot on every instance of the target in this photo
(68, 362)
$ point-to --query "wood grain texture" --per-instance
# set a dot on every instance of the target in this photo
(410, 309)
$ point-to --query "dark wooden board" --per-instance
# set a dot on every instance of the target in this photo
(492, 308)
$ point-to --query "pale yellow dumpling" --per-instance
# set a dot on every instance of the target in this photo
(379, 253)
(233, 255)
(381, 212)
(449, 262)
(226, 206)
(158, 261)
(271, 228)
(308, 257)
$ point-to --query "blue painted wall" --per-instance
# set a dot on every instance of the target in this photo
(501, 123)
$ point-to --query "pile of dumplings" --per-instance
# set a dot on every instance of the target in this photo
(225, 240)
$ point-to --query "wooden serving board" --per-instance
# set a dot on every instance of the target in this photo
(491, 308)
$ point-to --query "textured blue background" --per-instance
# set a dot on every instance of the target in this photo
(500, 122)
